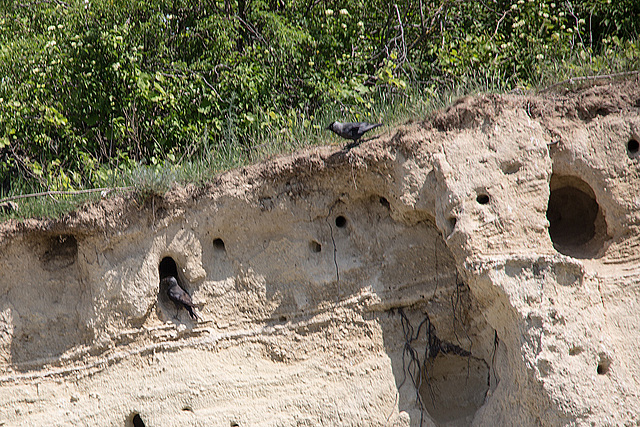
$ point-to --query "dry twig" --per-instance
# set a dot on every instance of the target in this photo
(590, 78)
(64, 193)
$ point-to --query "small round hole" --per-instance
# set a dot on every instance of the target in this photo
(384, 202)
(283, 318)
(341, 221)
(315, 246)
(218, 244)
(483, 199)
(633, 146)
(603, 364)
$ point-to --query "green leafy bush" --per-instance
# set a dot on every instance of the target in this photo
(89, 88)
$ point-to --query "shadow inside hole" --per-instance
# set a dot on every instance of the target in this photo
(483, 199)
(633, 146)
(604, 363)
(136, 421)
(341, 221)
(315, 246)
(571, 214)
(167, 267)
(167, 309)
(454, 388)
(452, 224)
(576, 223)
(58, 252)
(218, 244)
(384, 202)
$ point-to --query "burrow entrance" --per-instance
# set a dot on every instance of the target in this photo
(456, 387)
(441, 347)
(167, 267)
(58, 252)
(442, 378)
(166, 308)
(577, 226)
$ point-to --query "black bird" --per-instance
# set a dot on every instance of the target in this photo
(352, 131)
(178, 295)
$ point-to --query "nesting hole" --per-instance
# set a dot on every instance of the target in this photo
(283, 318)
(604, 363)
(136, 421)
(384, 202)
(218, 244)
(633, 146)
(455, 388)
(483, 199)
(167, 267)
(58, 252)
(576, 223)
(315, 246)
(341, 221)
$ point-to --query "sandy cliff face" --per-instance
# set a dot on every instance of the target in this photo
(479, 268)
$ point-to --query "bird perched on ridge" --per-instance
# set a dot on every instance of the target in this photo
(352, 131)
(179, 296)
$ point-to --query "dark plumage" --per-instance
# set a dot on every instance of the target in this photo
(178, 295)
(352, 131)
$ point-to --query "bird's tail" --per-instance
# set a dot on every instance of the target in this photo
(371, 126)
(192, 313)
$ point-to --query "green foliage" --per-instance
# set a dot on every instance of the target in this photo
(94, 90)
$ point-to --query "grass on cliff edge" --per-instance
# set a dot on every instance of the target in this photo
(391, 108)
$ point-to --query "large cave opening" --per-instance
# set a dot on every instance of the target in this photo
(576, 222)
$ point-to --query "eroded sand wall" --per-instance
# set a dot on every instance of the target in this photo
(479, 268)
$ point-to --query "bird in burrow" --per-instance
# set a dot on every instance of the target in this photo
(179, 296)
